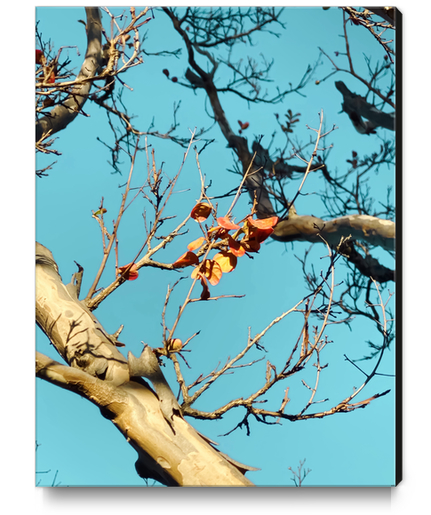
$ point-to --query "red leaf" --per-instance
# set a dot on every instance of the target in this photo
(187, 259)
(201, 212)
(260, 235)
(129, 272)
(39, 56)
(224, 222)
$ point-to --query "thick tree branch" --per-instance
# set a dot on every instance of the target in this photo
(169, 449)
(60, 117)
(387, 13)
(254, 180)
(374, 231)
(357, 108)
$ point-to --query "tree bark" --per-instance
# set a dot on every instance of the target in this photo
(60, 117)
(357, 108)
(374, 231)
(169, 449)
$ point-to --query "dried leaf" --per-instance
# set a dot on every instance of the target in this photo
(201, 212)
(196, 243)
(187, 259)
(263, 223)
(250, 245)
(129, 272)
(235, 247)
(225, 222)
(40, 58)
(260, 235)
(210, 269)
(226, 260)
(205, 295)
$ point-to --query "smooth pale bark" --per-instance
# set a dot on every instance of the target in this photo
(169, 449)
(373, 230)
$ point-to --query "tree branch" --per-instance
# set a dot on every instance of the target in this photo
(356, 107)
(170, 451)
(60, 117)
(374, 231)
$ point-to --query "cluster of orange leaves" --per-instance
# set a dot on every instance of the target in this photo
(246, 239)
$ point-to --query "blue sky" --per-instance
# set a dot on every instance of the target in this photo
(351, 449)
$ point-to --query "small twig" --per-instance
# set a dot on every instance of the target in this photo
(115, 230)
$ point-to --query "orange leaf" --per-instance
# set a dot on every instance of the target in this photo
(201, 212)
(263, 223)
(224, 222)
(196, 243)
(226, 260)
(187, 259)
(129, 272)
(235, 247)
(210, 269)
(50, 73)
(260, 235)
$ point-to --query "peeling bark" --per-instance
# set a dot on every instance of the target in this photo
(170, 451)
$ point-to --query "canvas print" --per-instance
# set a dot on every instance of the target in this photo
(216, 197)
